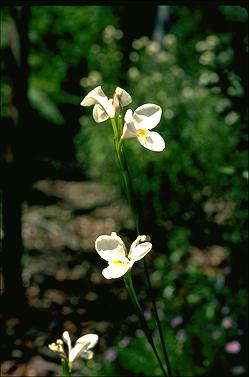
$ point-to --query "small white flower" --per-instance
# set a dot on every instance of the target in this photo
(57, 347)
(113, 250)
(82, 346)
(105, 108)
(139, 124)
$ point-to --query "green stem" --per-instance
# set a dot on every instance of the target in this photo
(133, 296)
(157, 319)
(120, 156)
(118, 141)
(130, 197)
(115, 131)
(127, 182)
(66, 367)
(120, 125)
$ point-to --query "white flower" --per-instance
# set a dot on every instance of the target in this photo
(139, 124)
(82, 346)
(113, 250)
(105, 108)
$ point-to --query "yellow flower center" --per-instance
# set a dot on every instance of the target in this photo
(142, 132)
(118, 263)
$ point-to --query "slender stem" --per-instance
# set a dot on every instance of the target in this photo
(128, 183)
(157, 319)
(115, 131)
(66, 368)
(133, 296)
(118, 141)
(120, 125)
(130, 197)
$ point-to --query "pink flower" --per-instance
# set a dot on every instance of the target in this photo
(233, 347)
(227, 323)
(176, 321)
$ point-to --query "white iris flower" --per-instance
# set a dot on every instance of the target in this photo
(113, 250)
(82, 346)
(105, 108)
(139, 124)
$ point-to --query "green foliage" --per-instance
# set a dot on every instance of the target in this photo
(139, 363)
(200, 124)
(67, 38)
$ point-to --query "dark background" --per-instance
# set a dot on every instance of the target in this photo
(61, 189)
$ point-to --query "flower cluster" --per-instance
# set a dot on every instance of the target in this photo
(136, 125)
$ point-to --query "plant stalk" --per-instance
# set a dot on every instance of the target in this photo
(118, 141)
(66, 368)
(133, 296)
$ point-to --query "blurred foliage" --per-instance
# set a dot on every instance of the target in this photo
(193, 196)
(195, 77)
(195, 191)
(67, 47)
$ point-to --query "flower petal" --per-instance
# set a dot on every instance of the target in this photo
(97, 96)
(112, 272)
(152, 141)
(75, 352)
(128, 116)
(139, 239)
(90, 340)
(99, 114)
(147, 116)
(110, 247)
(124, 98)
(83, 344)
(90, 98)
(67, 340)
(129, 129)
(87, 355)
(138, 252)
